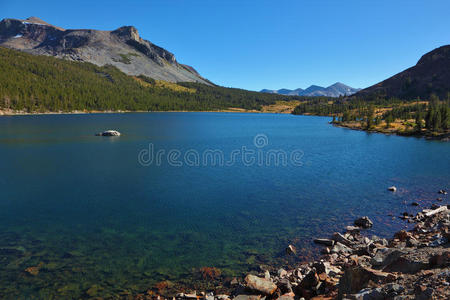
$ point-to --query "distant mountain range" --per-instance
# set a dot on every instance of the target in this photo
(335, 90)
(431, 75)
(122, 48)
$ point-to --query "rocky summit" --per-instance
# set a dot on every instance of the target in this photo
(122, 48)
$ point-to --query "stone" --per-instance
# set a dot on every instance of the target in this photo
(431, 212)
(364, 222)
(370, 294)
(282, 273)
(440, 260)
(291, 250)
(286, 297)
(392, 188)
(341, 249)
(234, 281)
(311, 280)
(32, 270)
(260, 284)
(247, 297)
(285, 286)
(402, 235)
(326, 242)
(352, 229)
(358, 277)
(109, 133)
(267, 275)
(337, 237)
(406, 264)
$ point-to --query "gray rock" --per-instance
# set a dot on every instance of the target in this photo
(285, 286)
(364, 222)
(326, 242)
(341, 249)
(385, 256)
(260, 284)
(337, 237)
(282, 273)
(109, 133)
(392, 188)
(369, 294)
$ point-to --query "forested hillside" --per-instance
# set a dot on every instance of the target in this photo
(42, 83)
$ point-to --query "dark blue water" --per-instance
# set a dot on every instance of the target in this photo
(85, 211)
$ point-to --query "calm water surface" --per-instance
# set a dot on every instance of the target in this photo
(84, 211)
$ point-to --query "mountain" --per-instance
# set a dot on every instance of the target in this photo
(431, 75)
(335, 90)
(39, 83)
(122, 48)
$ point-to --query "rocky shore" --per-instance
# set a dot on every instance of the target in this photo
(413, 264)
(445, 136)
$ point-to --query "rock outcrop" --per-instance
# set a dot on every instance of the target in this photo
(122, 48)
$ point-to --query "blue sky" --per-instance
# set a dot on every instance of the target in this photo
(268, 44)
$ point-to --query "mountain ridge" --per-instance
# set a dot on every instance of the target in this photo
(335, 90)
(431, 75)
(122, 48)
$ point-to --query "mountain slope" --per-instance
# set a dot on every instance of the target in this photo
(37, 83)
(122, 48)
(335, 90)
(431, 75)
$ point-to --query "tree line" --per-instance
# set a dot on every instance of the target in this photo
(42, 83)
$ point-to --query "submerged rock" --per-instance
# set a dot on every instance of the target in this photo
(109, 133)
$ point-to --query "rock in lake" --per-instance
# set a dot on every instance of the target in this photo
(392, 188)
(364, 222)
(109, 133)
(291, 250)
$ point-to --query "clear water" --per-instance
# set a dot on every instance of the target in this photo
(87, 213)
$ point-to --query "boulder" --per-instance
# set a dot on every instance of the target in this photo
(358, 277)
(285, 286)
(341, 249)
(364, 222)
(337, 237)
(109, 133)
(261, 285)
(326, 242)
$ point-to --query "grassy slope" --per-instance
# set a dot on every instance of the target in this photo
(41, 84)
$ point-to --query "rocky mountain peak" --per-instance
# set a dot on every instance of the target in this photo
(122, 48)
(128, 33)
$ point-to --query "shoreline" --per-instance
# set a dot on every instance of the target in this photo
(413, 264)
(445, 137)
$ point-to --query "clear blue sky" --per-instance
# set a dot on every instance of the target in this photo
(268, 44)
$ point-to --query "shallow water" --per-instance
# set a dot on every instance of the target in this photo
(90, 210)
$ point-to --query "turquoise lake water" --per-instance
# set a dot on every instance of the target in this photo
(97, 211)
